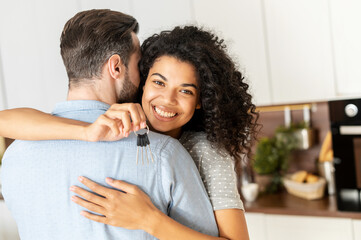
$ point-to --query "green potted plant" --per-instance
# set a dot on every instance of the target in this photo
(271, 160)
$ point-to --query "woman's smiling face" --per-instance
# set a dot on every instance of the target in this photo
(170, 95)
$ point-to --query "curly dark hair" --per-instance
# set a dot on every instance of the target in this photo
(227, 115)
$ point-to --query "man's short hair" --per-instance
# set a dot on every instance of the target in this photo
(91, 37)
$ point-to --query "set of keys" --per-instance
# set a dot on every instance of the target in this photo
(143, 142)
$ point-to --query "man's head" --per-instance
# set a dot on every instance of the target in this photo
(101, 40)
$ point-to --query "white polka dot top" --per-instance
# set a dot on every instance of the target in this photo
(216, 170)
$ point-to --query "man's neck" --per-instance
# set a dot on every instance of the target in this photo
(90, 93)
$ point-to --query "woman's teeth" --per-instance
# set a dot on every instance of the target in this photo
(164, 114)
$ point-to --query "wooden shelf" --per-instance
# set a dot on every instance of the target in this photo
(286, 204)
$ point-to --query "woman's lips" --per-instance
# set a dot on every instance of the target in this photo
(164, 115)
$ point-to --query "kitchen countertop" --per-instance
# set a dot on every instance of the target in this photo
(286, 204)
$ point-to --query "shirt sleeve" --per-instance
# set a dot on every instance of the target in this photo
(220, 180)
(217, 171)
(188, 202)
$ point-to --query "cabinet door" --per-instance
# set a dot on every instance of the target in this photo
(157, 15)
(356, 229)
(300, 51)
(240, 23)
(8, 228)
(299, 228)
(346, 19)
(256, 226)
(33, 70)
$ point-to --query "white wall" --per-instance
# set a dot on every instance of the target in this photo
(32, 72)
(3, 99)
(32, 65)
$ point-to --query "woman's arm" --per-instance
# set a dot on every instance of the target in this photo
(232, 223)
(31, 124)
(132, 209)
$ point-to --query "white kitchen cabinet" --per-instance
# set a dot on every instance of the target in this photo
(240, 23)
(8, 228)
(157, 15)
(256, 224)
(345, 22)
(282, 227)
(356, 225)
(300, 50)
(32, 67)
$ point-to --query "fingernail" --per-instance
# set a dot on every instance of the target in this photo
(127, 134)
(136, 128)
(144, 124)
(82, 213)
(72, 188)
(81, 178)
(73, 198)
(110, 180)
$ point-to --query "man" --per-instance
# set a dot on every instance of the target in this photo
(100, 51)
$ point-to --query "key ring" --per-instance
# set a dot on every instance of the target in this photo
(136, 134)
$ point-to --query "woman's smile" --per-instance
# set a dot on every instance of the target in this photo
(170, 95)
(164, 114)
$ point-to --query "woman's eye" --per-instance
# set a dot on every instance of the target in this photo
(187, 92)
(159, 83)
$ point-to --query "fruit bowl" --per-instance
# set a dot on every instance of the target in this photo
(309, 191)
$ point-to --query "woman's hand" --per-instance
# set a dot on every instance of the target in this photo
(129, 208)
(116, 123)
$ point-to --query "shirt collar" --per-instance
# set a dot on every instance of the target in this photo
(76, 105)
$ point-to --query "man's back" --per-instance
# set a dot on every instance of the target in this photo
(37, 176)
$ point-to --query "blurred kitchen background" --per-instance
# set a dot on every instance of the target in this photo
(300, 58)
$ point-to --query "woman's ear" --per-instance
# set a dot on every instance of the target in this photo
(116, 66)
(198, 106)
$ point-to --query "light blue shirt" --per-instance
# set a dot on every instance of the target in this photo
(36, 177)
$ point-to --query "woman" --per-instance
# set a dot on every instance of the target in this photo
(192, 91)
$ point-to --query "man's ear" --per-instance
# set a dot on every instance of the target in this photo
(116, 66)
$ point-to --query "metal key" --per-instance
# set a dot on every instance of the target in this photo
(143, 142)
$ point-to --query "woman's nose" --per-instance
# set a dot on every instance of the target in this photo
(170, 97)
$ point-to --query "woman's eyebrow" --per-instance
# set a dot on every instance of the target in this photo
(161, 76)
(183, 85)
(189, 85)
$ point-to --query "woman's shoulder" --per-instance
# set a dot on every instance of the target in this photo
(195, 139)
(191, 135)
(198, 144)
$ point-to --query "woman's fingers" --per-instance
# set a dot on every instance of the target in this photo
(110, 123)
(143, 118)
(106, 192)
(125, 187)
(90, 197)
(94, 217)
(131, 114)
(88, 205)
(135, 113)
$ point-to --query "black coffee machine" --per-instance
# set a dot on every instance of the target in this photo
(345, 117)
